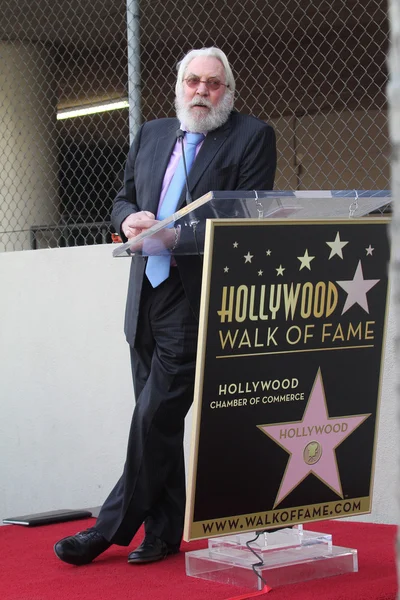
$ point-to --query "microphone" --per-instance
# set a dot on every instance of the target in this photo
(180, 135)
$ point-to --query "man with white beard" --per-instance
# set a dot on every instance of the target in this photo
(224, 151)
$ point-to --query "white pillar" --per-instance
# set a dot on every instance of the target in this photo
(28, 151)
(394, 128)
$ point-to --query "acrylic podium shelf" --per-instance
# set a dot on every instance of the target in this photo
(307, 204)
(288, 556)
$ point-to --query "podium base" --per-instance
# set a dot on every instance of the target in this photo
(288, 556)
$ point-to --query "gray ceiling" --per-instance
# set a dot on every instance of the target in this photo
(100, 22)
(63, 21)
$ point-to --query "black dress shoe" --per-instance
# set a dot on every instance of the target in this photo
(152, 549)
(82, 548)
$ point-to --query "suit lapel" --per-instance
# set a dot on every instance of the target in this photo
(211, 145)
(162, 154)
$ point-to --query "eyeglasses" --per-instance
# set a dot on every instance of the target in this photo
(212, 83)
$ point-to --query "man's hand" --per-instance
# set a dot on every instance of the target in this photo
(137, 222)
(161, 242)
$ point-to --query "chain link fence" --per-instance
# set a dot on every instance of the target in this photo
(317, 71)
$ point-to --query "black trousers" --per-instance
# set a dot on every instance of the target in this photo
(152, 486)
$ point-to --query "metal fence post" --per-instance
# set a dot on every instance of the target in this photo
(134, 88)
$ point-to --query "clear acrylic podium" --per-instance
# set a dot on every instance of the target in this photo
(293, 554)
(281, 557)
(298, 205)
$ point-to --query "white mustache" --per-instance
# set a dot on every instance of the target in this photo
(200, 102)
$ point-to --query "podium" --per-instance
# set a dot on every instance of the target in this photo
(288, 375)
(312, 204)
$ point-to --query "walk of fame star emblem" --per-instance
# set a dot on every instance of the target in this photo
(311, 443)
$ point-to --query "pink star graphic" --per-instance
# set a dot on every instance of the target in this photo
(311, 443)
(357, 289)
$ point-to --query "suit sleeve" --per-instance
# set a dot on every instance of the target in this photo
(125, 201)
(258, 165)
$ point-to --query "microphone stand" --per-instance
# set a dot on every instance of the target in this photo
(180, 135)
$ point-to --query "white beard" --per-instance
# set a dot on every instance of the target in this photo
(211, 119)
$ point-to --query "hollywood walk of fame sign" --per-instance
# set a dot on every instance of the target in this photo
(288, 373)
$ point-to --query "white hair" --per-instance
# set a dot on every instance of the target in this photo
(215, 53)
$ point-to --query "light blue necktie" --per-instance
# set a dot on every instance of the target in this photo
(157, 269)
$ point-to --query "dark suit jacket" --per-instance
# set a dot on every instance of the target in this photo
(240, 155)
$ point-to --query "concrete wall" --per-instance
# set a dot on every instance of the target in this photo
(65, 385)
(66, 394)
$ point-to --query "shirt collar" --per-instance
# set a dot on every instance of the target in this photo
(185, 129)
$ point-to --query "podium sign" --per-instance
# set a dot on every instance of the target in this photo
(288, 375)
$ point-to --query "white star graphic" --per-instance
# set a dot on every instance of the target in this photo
(235, 244)
(279, 270)
(336, 246)
(305, 261)
(248, 257)
(369, 250)
(357, 289)
(268, 252)
(226, 269)
(260, 273)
